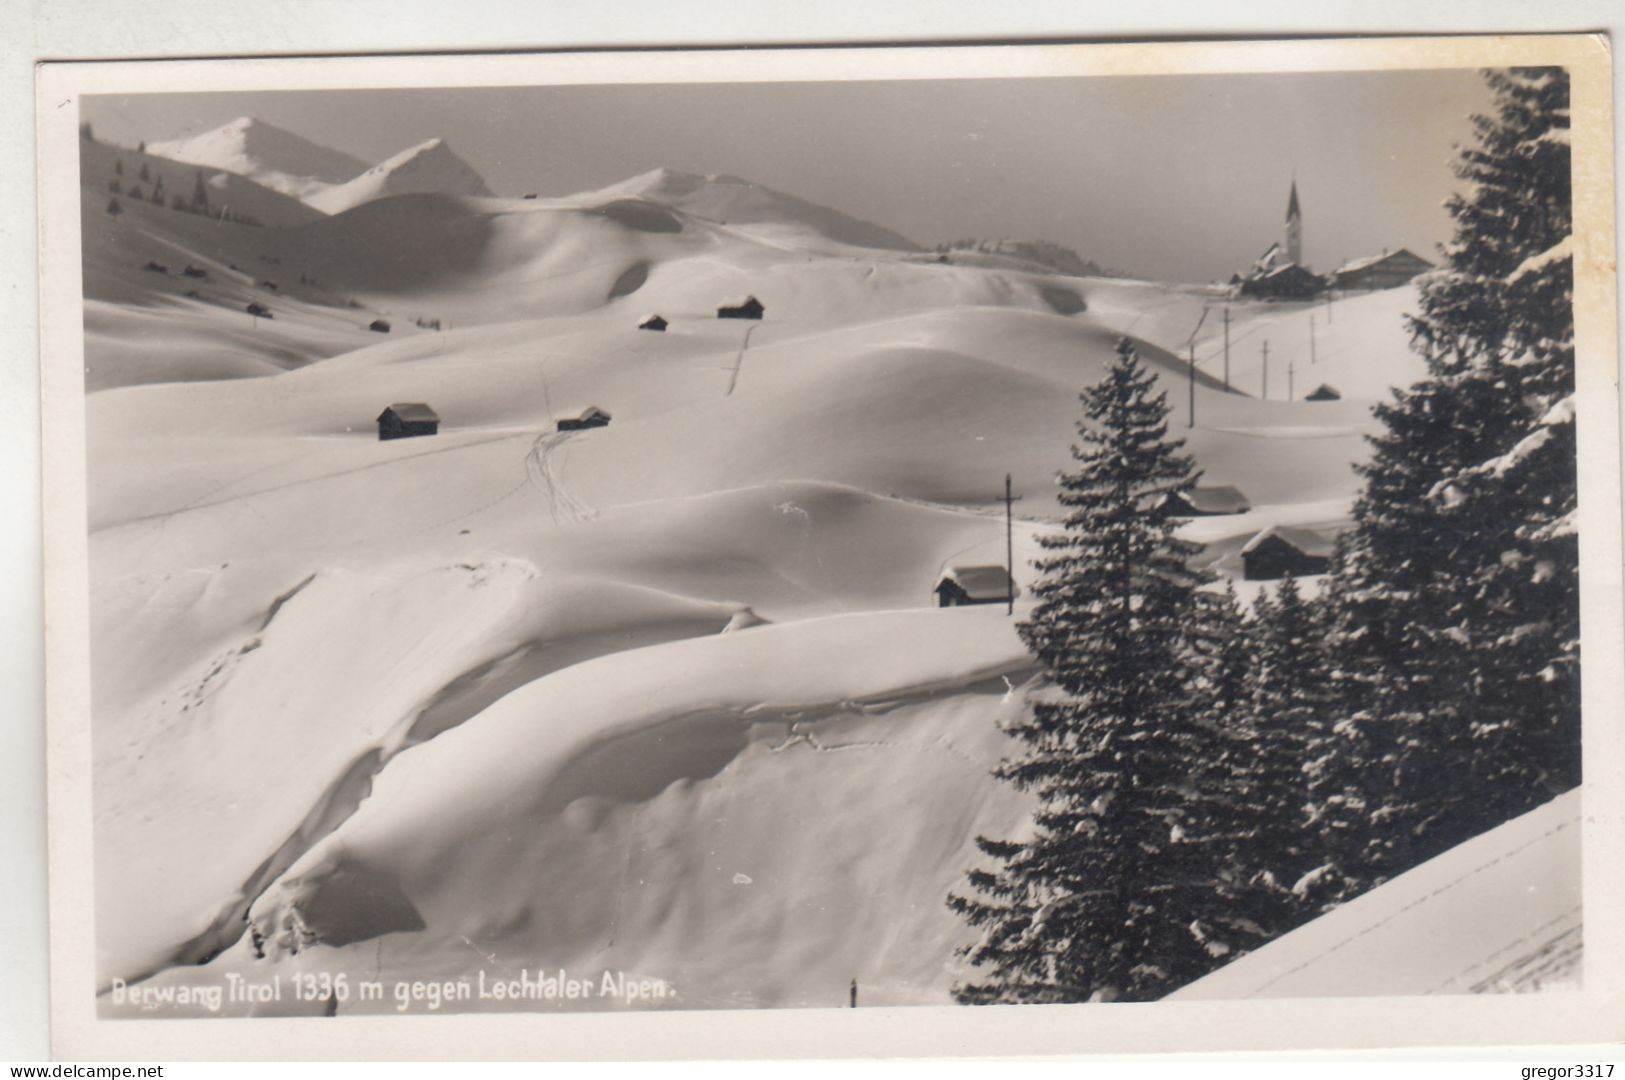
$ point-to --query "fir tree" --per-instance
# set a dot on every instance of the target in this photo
(1107, 899)
(1455, 599)
(200, 195)
(1289, 712)
(118, 166)
(114, 208)
(158, 191)
(145, 173)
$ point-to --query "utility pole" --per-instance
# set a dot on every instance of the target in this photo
(1227, 350)
(1290, 390)
(1009, 567)
(1329, 319)
(854, 995)
(1266, 395)
(1311, 339)
(1190, 343)
(1191, 416)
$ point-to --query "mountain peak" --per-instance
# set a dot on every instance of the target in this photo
(263, 152)
(429, 166)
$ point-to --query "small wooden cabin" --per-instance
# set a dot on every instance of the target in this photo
(960, 586)
(379, 326)
(1208, 502)
(654, 322)
(590, 417)
(1281, 550)
(407, 420)
(194, 272)
(1324, 392)
(258, 310)
(751, 308)
(155, 267)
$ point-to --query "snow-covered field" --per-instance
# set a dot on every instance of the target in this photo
(668, 697)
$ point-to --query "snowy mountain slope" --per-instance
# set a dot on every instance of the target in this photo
(147, 320)
(266, 154)
(99, 166)
(1499, 912)
(429, 167)
(728, 200)
(487, 842)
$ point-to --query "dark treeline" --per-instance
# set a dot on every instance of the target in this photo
(1207, 778)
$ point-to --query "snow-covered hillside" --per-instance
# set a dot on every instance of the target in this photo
(636, 697)
(266, 154)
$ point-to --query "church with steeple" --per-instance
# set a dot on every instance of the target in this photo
(1294, 227)
(1280, 271)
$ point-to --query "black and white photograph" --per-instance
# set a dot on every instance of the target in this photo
(737, 534)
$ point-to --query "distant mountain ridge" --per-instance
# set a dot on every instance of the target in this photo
(730, 200)
(266, 154)
(325, 179)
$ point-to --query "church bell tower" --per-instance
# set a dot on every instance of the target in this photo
(1294, 228)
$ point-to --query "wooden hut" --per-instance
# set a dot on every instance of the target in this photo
(1208, 502)
(407, 420)
(653, 322)
(750, 308)
(1281, 550)
(1324, 392)
(379, 326)
(963, 585)
(590, 417)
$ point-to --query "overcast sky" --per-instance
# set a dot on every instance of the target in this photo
(1174, 177)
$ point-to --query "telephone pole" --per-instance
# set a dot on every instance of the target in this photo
(1227, 350)
(1191, 416)
(1290, 391)
(1266, 394)
(1009, 554)
(1311, 338)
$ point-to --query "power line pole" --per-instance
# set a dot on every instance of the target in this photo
(1266, 394)
(1311, 338)
(1290, 391)
(1227, 350)
(1191, 416)
(1009, 551)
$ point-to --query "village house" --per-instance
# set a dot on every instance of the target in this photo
(590, 417)
(1324, 392)
(751, 308)
(653, 322)
(379, 326)
(406, 420)
(1288, 282)
(1281, 550)
(963, 585)
(1385, 271)
(1207, 502)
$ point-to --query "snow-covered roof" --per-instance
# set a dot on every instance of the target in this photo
(589, 412)
(1374, 260)
(1219, 499)
(411, 410)
(1310, 543)
(651, 317)
(1500, 912)
(979, 582)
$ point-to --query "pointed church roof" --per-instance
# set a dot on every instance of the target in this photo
(1292, 203)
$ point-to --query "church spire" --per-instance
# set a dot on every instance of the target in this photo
(1292, 210)
(1294, 228)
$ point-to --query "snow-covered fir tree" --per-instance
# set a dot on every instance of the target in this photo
(1117, 894)
(1455, 600)
(1288, 712)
